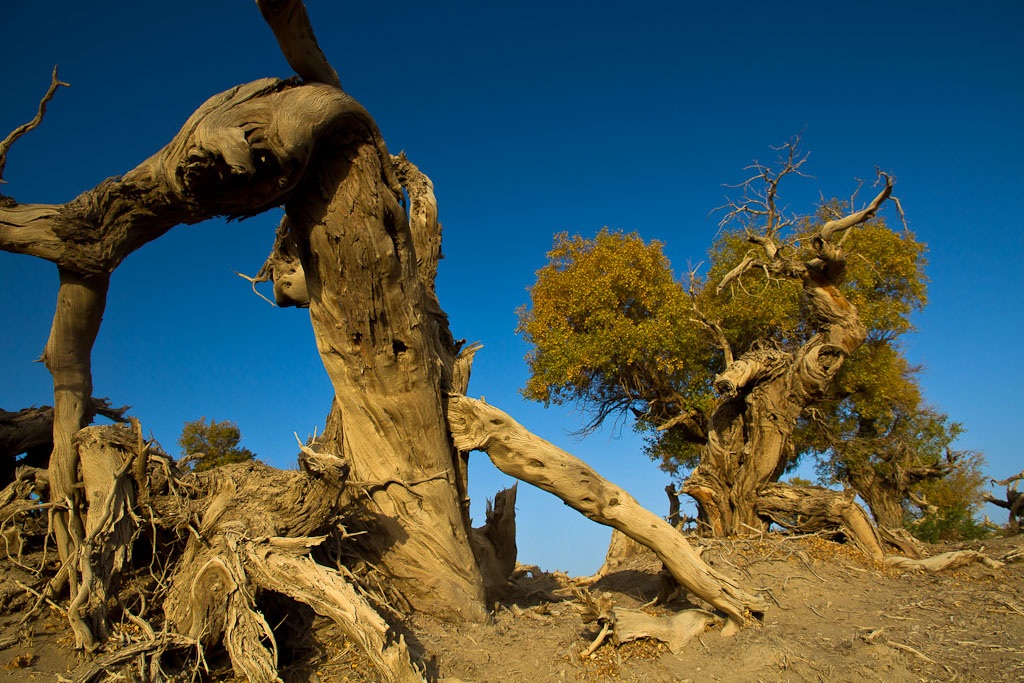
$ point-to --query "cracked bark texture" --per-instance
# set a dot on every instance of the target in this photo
(364, 264)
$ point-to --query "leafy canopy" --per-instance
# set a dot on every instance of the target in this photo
(215, 443)
(613, 330)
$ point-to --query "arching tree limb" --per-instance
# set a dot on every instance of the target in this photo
(515, 451)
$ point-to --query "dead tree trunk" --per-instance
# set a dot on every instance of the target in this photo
(749, 436)
(388, 352)
(365, 267)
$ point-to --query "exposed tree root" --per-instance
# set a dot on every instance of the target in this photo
(161, 642)
(248, 530)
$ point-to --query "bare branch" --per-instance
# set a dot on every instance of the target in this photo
(5, 145)
(1009, 480)
(744, 265)
(712, 325)
(832, 227)
(294, 32)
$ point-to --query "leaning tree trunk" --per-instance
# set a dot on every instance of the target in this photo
(883, 500)
(388, 353)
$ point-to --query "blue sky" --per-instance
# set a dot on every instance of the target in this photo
(531, 118)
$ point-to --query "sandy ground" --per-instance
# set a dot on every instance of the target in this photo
(834, 617)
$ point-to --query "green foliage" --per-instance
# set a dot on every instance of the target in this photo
(612, 330)
(955, 501)
(215, 442)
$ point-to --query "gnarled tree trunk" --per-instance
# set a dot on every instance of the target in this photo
(365, 267)
(389, 354)
(749, 436)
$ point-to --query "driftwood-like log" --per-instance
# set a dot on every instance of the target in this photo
(517, 452)
(950, 560)
(675, 630)
(812, 508)
(625, 625)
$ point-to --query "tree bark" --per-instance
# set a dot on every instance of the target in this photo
(518, 453)
(808, 509)
(749, 437)
(68, 356)
(386, 347)
(494, 544)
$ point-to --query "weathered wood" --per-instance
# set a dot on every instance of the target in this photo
(950, 560)
(812, 508)
(294, 32)
(675, 630)
(106, 454)
(381, 342)
(252, 537)
(517, 452)
(494, 544)
(30, 431)
(68, 356)
(329, 595)
(749, 438)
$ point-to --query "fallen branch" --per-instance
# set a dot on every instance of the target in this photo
(517, 452)
(90, 670)
(958, 558)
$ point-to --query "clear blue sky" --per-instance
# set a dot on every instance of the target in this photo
(531, 118)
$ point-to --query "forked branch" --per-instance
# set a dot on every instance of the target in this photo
(832, 227)
(712, 326)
